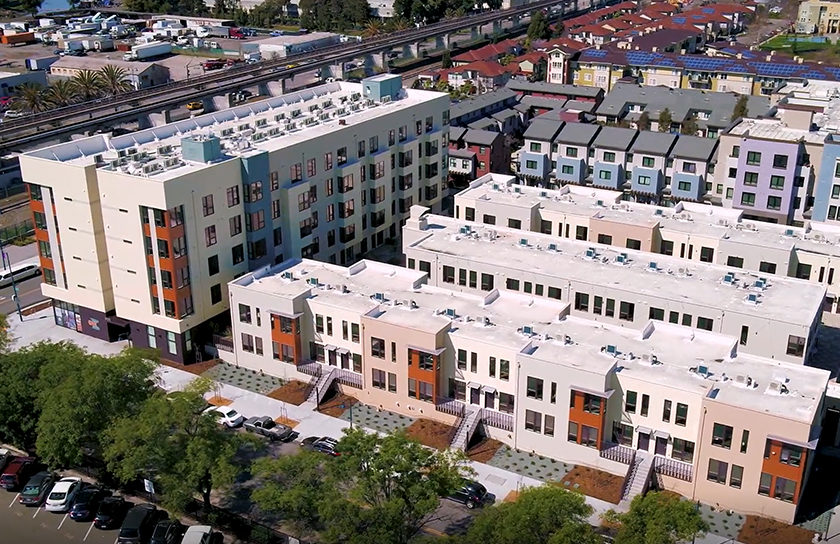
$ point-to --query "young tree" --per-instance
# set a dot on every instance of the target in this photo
(689, 126)
(539, 28)
(741, 108)
(658, 517)
(644, 121)
(665, 120)
(172, 439)
(446, 59)
(546, 514)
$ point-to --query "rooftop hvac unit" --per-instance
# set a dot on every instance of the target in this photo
(729, 278)
(528, 330)
(115, 164)
(169, 163)
(543, 194)
(273, 131)
(517, 189)
(258, 136)
(590, 253)
(287, 275)
(450, 312)
(312, 281)
(652, 266)
(611, 349)
(121, 153)
(523, 241)
(386, 99)
(599, 203)
(379, 297)
(149, 168)
(227, 132)
(465, 230)
(789, 232)
(244, 126)
(752, 298)
(621, 258)
(279, 117)
(657, 212)
(495, 186)
(552, 247)
(261, 122)
(164, 149)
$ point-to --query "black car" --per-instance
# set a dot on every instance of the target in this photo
(36, 489)
(324, 444)
(87, 503)
(111, 513)
(168, 531)
(139, 524)
(471, 494)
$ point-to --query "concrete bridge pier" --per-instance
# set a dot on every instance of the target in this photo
(475, 32)
(276, 88)
(416, 49)
(442, 42)
(377, 60)
(337, 70)
(155, 119)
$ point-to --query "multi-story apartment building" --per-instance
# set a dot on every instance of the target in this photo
(691, 407)
(140, 234)
(691, 231)
(818, 16)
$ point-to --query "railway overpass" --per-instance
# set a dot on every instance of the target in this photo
(57, 124)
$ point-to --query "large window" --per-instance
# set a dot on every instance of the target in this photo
(378, 378)
(784, 489)
(377, 347)
(630, 402)
(533, 421)
(717, 471)
(589, 436)
(748, 199)
(682, 414)
(790, 455)
(535, 388)
(753, 158)
(795, 345)
(504, 370)
(591, 404)
(722, 435)
(683, 450)
(736, 476)
(626, 311)
(764, 484)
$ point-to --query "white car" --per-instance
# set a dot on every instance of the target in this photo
(63, 494)
(198, 534)
(226, 415)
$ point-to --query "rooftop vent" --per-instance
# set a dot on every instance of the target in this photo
(752, 298)
(450, 312)
(652, 266)
(729, 278)
(528, 330)
(523, 241)
(622, 258)
(379, 297)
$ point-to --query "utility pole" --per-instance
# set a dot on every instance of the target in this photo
(6, 259)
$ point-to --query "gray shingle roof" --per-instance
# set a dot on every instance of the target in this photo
(543, 102)
(456, 133)
(554, 88)
(480, 137)
(463, 107)
(615, 138)
(461, 153)
(578, 133)
(487, 123)
(543, 130)
(581, 105)
(692, 147)
(656, 143)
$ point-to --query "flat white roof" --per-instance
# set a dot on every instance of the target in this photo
(776, 129)
(784, 300)
(662, 353)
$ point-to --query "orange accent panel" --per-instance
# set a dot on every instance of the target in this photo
(426, 376)
(287, 338)
(773, 466)
(577, 415)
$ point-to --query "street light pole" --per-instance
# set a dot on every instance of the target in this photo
(6, 259)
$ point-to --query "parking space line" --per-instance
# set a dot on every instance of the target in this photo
(116, 539)
(13, 500)
(62, 521)
(87, 534)
(37, 509)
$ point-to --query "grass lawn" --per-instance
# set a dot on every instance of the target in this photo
(293, 392)
(758, 530)
(431, 433)
(792, 45)
(595, 483)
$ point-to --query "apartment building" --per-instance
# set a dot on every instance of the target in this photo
(140, 234)
(698, 414)
(691, 231)
(475, 153)
(818, 16)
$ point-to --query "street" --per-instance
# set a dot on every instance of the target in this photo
(37, 526)
(29, 292)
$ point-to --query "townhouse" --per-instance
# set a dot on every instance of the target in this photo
(692, 409)
(139, 234)
(475, 153)
(691, 231)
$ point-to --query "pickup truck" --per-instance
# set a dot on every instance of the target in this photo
(266, 426)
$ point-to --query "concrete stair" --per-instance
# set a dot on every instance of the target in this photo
(638, 478)
(468, 424)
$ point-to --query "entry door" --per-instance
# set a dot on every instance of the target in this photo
(475, 396)
(644, 441)
(661, 445)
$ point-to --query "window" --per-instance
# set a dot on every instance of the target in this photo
(548, 427)
(630, 402)
(210, 235)
(785, 489)
(213, 265)
(253, 192)
(609, 156)
(751, 179)
(514, 223)
(682, 450)
(764, 484)
(779, 161)
(705, 323)
(572, 435)
(689, 167)
(626, 311)
(795, 346)
(311, 169)
(571, 152)
(235, 225)
(233, 195)
(207, 205)
(582, 302)
(377, 347)
(684, 185)
(717, 471)
(378, 378)
(462, 359)
(610, 309)
(623, 434)
(511, 284)
(591, 404)
(567, 169)
(605, 239)
(554, 292)
(666, 247)
(682, 414)
(707, 254)
(647, 162)
(492, 367)
(581, 232)
(150, 332)
(745, 334)
(748, 199)
(589, 436)
(774, 203)
(276, 208)
(777, 182)
(215, 294)
(535, 388)
(790, 455)
(392, 382)
(803, 271)
(237, 253)
(745, 439)
(666, 411)
(255, 221)
(473, 362)
(535, 147)
(531, 165)
(274, 178)
(354, 333)
(737, 262)
(767, 268)
(504, 370)
(598, 305)
(644, 180)
(486, 282)
(247, 342)
(533, 421)
(605, 175)
(645, 405)
(722, 435)
(753, 158)
(296, 172)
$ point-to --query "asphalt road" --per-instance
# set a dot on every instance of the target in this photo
(22, 524)
(29, 292)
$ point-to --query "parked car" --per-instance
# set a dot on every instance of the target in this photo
(63, 494)
(139, 524)
(36, 489)
(110, 513)
(266, 426)
(14, 114)
(168, 531)
(195, 106)
(198, 534)
(226, 415)
(324, 444)
(17, 472)
(87, 503)
(471, 494)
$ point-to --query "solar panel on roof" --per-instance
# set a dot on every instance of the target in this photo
(597, 53)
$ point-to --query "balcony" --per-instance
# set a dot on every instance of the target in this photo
(450, 406)
(673, 468)
(618, 453)
(499, 420)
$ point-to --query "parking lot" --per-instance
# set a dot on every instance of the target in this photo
(37, 526)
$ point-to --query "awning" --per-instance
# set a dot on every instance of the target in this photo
(602, 394)
(284, 314)
(436, 351)
(473, 385)
(661, 434)
(811, 445)
(488, 389)
(118, 321)
(343, 351)
(643, 430)
(328, 347)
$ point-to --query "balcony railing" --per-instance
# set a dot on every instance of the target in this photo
(673, 468)
(346, 377)
(617, 452)
(497, 419)
(450, 406)
(311, 368)
(224, 343)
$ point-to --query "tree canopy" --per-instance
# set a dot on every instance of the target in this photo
(689, 126)
(644, 121)
(665, 120)
(659, 518)
(539, 29)
(741, 108)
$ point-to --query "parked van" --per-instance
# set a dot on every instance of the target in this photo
(20, 273)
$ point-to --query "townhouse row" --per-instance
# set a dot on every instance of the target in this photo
(139, 234)
(704, 417)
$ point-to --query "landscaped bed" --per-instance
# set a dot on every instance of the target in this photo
(194, 368)
(431, 433)
(758, 530)
(337, 405)
(594, 483)
(484, 450)
(294, 392)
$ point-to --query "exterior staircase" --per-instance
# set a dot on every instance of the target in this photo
(466, 427)
(638, 478)
(319, 390)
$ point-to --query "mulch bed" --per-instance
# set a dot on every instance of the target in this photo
(333, 407)
(757, 530)
(594, 483)
(195, 368)
(431, 433)
(294, 392)
(484, 450)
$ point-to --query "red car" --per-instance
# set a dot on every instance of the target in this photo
(5, 101)
(17, 472)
